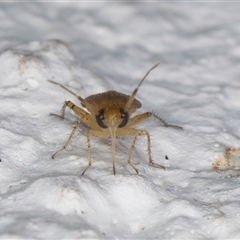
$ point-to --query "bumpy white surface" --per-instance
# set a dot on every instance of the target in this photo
(95, 47)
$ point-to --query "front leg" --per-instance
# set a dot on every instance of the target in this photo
(61, 116)
(135, 133)
(86, 117)
(99, 134)
(140, 117)
(68, 140)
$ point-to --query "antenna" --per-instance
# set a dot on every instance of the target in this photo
(130, 100)
(83, 101)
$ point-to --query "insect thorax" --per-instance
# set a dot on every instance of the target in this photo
(111, 99)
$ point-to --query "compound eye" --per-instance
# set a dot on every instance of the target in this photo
(123, 114)
(125, 118)
(99, 119)
(101, 116)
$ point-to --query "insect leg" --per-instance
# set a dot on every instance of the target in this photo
(69, 138)
(144, 132)
(130, 154)
(61, 116)
(140, 117)
(86, 117)
(140, 133)
(135, 133)
(97, 133)
(165, 124)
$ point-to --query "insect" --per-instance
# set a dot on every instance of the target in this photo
(229, 160)
(108, 114)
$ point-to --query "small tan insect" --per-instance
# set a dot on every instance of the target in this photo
(229, 160)
(108, 115)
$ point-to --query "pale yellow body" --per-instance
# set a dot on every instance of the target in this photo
(108, 115)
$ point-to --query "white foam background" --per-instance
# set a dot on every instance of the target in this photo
(95, 47)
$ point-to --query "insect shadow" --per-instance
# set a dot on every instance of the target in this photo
(108, 114)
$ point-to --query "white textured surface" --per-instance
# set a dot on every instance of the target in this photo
(95, 47)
